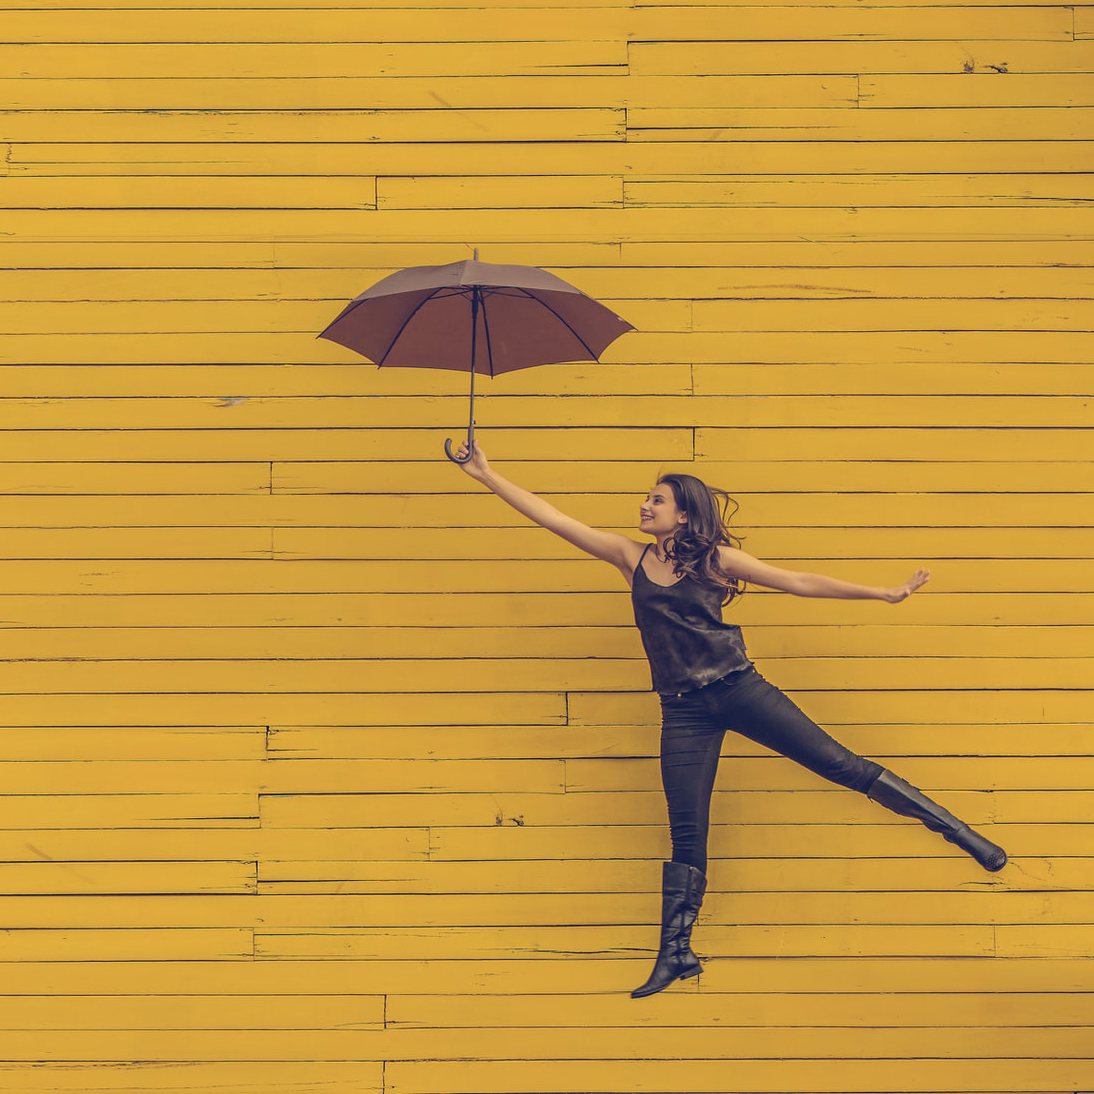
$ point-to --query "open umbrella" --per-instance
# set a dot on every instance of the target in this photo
(475, 317)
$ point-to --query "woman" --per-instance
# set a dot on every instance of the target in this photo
(708, 685)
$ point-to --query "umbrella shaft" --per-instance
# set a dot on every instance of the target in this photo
(475, 301)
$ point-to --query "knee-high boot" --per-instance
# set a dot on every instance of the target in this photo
(682, 891)
(901, 797)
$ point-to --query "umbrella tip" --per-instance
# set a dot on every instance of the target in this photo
(475, 255)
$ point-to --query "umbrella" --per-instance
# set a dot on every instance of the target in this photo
(475, 317)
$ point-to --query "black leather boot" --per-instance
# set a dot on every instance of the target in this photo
(682, 891)
(895, 794)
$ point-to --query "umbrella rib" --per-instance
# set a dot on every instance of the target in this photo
(486, 333)
(406, 322)
(543, 303)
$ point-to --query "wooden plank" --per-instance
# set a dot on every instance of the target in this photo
(141, 1077)
(163, 943)
(788, 858)
(808, 1076)
(514, 411)
(822, 442)
(305, 316)
(225, 776)
(104, 921)
(746, 476)
(978, 53)
(119, 777)
(605, 264)
(413, 126)
(838, 256)
(303, 742)
(870, 863)
(668, 315)
(472, 674)
(976, 191)
(894, 638)
(711, 379)
(479, 1045)
(707, 1010)
(593, 708)
(962, 579)
(321, 92)
(976, 90)
(526, 813)
(134, 742)
(139, 543)
(334, 57)
(871, 315)
(211, 381)
(393, 846)
(514, 192)
(774, 773)
(652, 119)
(1053, 941)
(468, 26)
(830, 976)
(657, 348)
(130, 809)
(354, 443)
(800, 544)
(460, 4)
(323, 708)
(698, 157)
(653, 25)
(875, 509)
(114, 878)
(195, 1012)
(193, 192)
(641, 283)
(477, 944)
(135, 478)
(630, 224)
(529, 609)
(474, 26)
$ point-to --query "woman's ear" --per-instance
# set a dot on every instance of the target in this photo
(682, 518)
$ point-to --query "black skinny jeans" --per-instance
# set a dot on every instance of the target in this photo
(693, 726)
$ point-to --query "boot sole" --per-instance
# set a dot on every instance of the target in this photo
(638, 994)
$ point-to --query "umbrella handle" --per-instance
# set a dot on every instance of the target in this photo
(452, 455)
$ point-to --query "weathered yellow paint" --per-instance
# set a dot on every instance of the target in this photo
(843, 1076)
(326, 770)
(320, 92)
(1051, 121)
(475, 25)
(795, 280)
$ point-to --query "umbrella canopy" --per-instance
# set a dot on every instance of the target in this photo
(475, 317)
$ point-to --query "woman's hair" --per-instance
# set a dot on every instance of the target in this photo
(693, 549)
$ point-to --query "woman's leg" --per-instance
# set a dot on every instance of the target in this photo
(690, 743)
(761, 712)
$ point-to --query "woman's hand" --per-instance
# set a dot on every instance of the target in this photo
(476, 467)
(902, 592)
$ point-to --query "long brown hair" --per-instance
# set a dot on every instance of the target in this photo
(693, 549)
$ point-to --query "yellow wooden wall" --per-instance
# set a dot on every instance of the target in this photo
(311, 781)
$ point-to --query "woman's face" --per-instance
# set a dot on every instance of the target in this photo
(658, 515)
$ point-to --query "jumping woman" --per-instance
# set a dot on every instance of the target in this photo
(707, 684)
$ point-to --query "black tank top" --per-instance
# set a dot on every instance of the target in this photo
(686, 642)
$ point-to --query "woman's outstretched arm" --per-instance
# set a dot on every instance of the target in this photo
(743, 565)
(620, 551)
